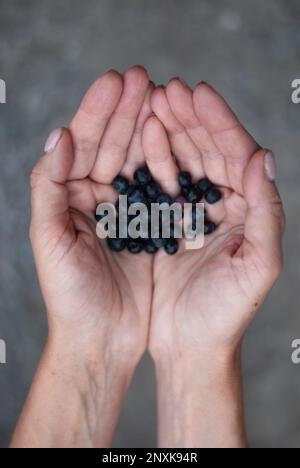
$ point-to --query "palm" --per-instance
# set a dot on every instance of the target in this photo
(107, 282)
(83, 282)
(205, 294)
(204, 283)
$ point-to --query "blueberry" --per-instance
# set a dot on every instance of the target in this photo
(159, 242)
(164, 198)
(150, 248)
(120, 184)
(142, 176)
(194, 195)
(213, 195)
(209, 227)
(171, 247)
(185, 179)
(204, 184)
(117, 245)
(135, 246)
(153, 190)
(136, 195)
(185, 192)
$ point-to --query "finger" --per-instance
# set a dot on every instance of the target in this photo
(49, 195)
(114, 145)
(158, 155)
(180, 97)
(85, 195)
(89, 123)
(187, 154)
(230, 138)
(135, 154)
(265, 218)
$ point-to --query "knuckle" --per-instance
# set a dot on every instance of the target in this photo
(85, 145)
(277, 208)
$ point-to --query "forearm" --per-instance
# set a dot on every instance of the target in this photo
(75, 400)
(200, 402)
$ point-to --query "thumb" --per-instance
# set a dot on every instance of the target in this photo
(49, 196)
(265, 220)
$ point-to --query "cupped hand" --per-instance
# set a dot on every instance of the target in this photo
(204, 299)
(92, 295)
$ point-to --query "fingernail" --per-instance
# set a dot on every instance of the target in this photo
(52, 140)
(270, 166)
(177, 78)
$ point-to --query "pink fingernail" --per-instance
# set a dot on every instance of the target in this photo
(270, 166)
(52, 140)
(177, 78)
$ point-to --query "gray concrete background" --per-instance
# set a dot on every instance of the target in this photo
(50, 51)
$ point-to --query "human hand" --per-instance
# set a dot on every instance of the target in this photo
(98, 302)
(91, 294)
(207, 297)
(204, 299)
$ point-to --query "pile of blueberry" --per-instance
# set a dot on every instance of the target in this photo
(146, 190)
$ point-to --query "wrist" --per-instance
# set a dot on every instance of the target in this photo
(96, 345)
(204, 356)
(96, 382)
(200, 399)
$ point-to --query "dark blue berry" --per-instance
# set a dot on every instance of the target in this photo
(135, 246)
(142, 176)
(117, 245)
(150, 248)
(120, 184)
(153, 190)
(213, 195)
(164, 198)
(204, 184)
(209, 227)
(136, 195)
(194, 195)
(185, 191)
(185, 179)
(159, 242)
(171, 247)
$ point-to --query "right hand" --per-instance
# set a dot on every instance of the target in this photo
(97, 301)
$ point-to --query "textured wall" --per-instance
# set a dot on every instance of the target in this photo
(50, 51)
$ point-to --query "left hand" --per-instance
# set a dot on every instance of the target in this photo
(205, 299)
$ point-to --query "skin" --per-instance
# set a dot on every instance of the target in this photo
(98, 302)
(204, 300)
